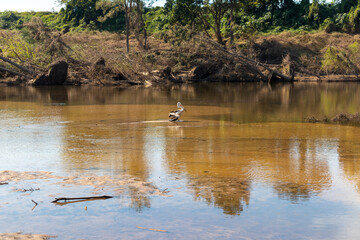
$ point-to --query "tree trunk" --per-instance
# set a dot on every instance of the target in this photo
(140, 26)
(17, 65)
(127, 23)
(232, 6)
(13, 72)
(218, 35)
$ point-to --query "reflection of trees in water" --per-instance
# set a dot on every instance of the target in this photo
(298, 168)
(349, 155)
(293, 191)
(251, 102)
(212, 172)
(138, 200)
(229, 194)
(102, 145)
(221, 164)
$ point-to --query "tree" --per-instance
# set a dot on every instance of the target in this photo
(217, 10)
(314, 13)
(354, 17)
(346, 5)
(139, 24)
(77, 11)
(133, 17)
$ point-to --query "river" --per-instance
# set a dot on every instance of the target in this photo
(241, 163)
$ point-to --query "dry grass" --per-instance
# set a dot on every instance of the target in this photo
(308, 50)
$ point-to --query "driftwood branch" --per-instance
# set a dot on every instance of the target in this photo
(34, 205)
(17, 65)
(13, 72)
(80, 199)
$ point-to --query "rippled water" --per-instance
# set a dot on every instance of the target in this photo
(240, 165)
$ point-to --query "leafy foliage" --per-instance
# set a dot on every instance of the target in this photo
(221, 19)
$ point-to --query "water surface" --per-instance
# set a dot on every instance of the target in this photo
(240, 165)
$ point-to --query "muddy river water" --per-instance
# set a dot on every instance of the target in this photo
(241, 163)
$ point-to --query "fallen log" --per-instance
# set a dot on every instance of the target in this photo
(13, 72)
(17, 65)
(81, 199)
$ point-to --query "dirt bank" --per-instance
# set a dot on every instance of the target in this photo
(100, 59)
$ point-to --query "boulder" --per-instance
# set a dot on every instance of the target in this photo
(205, 70)
(99, 65)
(58, 72)
(57, 75)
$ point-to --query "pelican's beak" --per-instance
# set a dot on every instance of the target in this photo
(184, 110)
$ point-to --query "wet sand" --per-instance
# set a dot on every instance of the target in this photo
(99, 184)
(22, 236)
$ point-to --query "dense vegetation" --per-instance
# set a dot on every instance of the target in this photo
(223, 19)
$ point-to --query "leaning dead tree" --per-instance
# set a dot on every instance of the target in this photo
(27, 73)
(264, 71)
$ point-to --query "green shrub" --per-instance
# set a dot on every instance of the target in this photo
(328, 25)
(335, 62)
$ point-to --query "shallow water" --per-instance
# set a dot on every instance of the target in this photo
(240, 165)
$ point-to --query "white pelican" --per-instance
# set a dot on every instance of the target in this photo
(175, 115)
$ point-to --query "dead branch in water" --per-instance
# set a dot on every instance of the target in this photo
(34, 205)
(80, 199)
(3, 183)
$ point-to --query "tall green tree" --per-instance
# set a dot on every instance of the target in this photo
(314, 13)
(216, 9)
(354, 17)
(76, 11)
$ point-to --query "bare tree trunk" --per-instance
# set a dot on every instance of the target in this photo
(140, 26)
(13, 72)
(17, 65)
(218, 34)
(232, 6)
(127, 23)
(145, 39)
